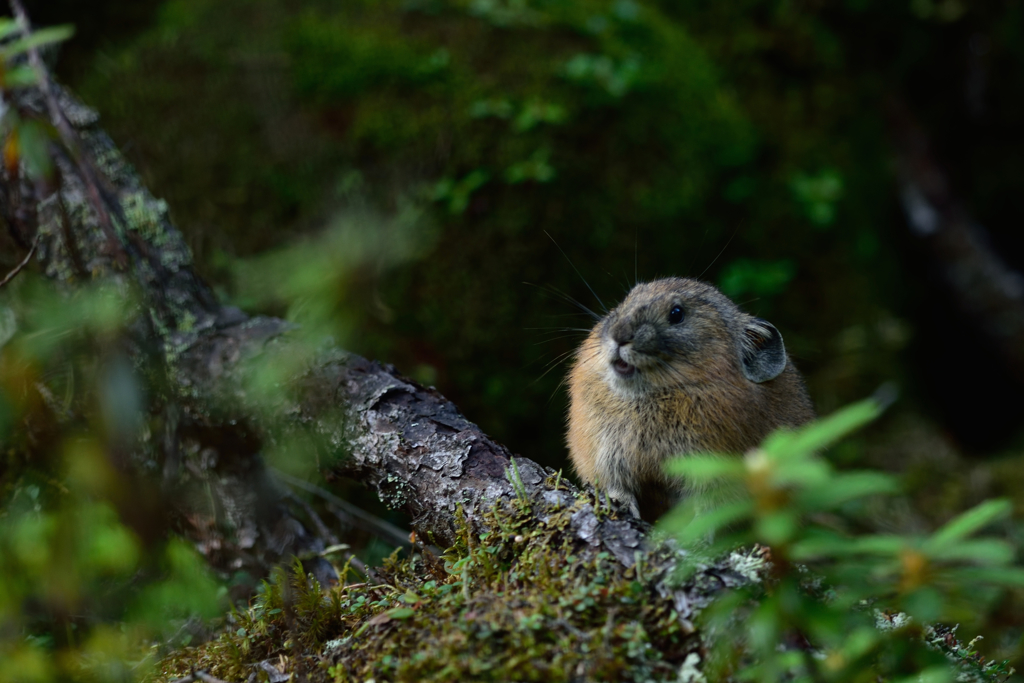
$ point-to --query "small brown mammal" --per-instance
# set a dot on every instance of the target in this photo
(676, 368)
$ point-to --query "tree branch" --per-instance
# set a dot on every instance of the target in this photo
(24, 262)
(983, 285)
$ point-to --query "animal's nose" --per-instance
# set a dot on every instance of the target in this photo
(622, 333)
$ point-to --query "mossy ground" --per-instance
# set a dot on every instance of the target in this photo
(514, 603)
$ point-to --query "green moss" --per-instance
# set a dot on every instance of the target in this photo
(512, 604)
(109, 160)
(146, 216)
(187, 322)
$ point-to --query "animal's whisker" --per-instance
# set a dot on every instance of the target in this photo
(731, 237)
(603, 307)
(560, 329)
(552, 365)
(565, 297)
(551, 339)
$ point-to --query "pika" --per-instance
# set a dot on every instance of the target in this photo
(676, 368)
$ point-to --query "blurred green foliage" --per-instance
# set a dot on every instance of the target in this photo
(759, 278)
(91, 583)
(866, 605)
(84, 593)
(818, 195)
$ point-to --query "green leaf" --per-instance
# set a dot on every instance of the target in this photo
(807, 472)
(988, 551)
(1009, 577)
(823, 432)
(111, 547)
(777, 528)
(809, 549)
(765, 624)
(38, 38)
(926, 604)
(702, 468)
(843, 488)
(708, 522)
(968, 523)
(7, 27)
(400, 612)
(834, 545)
(879, 544)
(20, 76)
(860, 642)
(34, 140)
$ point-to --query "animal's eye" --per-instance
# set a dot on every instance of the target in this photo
(675, 316)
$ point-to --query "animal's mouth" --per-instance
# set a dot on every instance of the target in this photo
(622, 368)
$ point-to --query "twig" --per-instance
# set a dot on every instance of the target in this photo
(67, 133)
(359, 517)
(24, 262)
(326, 533)
(321, 528)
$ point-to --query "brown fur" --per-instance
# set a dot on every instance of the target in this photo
(688, 392)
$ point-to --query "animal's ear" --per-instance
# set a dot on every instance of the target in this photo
(764, 354)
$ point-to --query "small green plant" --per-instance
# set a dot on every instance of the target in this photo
(512, 474)
(831, 604)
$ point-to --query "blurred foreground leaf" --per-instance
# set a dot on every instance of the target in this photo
(820, 582)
